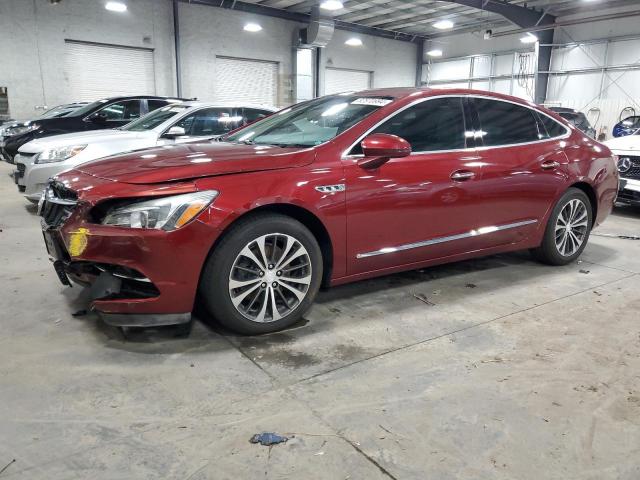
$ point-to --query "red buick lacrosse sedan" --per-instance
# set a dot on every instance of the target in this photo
(337, 189)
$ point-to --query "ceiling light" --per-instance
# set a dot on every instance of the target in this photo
(116, 6)
(443, 24)
(435, 53)
(529, 38)
(354, 42)
(331, 5)
(252, 27)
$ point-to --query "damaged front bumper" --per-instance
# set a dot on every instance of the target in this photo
(136, 277)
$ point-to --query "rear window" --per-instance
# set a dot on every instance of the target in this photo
(504, 123)
(553, 128)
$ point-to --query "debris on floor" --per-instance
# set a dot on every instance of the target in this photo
(79, 313)
(423, 298)
(268, 438)
(585, 271)
(613, 235)
(7, 466)
(471, 285)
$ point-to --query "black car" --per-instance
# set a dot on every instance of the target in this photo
(578, 119)
(106, 113)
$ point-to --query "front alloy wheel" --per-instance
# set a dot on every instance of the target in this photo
(270, 277)
(262, 275)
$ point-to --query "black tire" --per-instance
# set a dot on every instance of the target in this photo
(214, 283)
(548, 252)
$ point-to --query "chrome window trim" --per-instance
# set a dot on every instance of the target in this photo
(345, 154)
(450, 238)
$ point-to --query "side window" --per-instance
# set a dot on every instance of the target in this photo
(253, 114)
(504, 123)
(553, 128)
(431, 125)
(156, 104)
(209, 122)
(124, 110)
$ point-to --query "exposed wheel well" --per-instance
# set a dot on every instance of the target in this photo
(305, 217)
(591, 193)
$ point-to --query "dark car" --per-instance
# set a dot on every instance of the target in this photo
(576, 118)
(628, 126)
(338, 189)
(14, 127)
(106, 113)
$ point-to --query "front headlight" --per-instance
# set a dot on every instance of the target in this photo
(20, 129)
(59, 154)
(166, 213)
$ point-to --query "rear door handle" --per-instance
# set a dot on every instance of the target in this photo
(549, 165)
(462, 175)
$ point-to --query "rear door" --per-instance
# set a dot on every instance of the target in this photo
(523, 168)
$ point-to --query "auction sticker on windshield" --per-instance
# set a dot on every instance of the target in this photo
(378, 102)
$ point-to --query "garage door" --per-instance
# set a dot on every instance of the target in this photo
(342, 80)
(95, 71)
(240, 80)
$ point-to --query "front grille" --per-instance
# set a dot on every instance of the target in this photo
(629, 167)
(58, 204)
(21, 167)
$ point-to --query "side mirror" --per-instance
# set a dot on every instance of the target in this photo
(379, 148)
(174, 132)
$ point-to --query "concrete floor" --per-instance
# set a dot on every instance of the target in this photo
(516, 371)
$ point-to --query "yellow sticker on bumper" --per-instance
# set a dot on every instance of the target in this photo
(78, 241)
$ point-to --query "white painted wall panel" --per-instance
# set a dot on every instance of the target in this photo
(579, 56)
(482, 66)
(624, 52)
(450, 70)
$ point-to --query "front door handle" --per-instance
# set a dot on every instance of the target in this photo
(462, 175)
(549, 165)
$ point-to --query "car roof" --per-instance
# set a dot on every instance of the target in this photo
(422, 92)
(198, 103)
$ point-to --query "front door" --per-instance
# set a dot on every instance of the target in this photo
(420, 207)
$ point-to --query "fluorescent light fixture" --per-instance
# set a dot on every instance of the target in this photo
(116, 6)
(529, 38)
(252, 27)
(331, 5)
(354, 42)
(435, 53)
(443, 24)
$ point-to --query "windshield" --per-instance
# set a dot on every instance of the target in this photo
(311, 123)
(155, 118)
(87, 108)
(59, 111)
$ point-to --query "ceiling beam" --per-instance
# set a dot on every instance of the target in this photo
(522, 16)
(299, 17)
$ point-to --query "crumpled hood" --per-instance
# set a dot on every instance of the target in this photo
(629, 142)
(79, 138)
(194, 160)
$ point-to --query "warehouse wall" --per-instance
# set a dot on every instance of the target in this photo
(32, 35)
(601, 96)
(206, 32)
(393, 63)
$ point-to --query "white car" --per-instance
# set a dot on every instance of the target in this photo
(628, 151)
(40, 159)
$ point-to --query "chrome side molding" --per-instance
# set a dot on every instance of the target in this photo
(435, 241)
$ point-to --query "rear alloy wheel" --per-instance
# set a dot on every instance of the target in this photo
(568, 229)
(263, 275)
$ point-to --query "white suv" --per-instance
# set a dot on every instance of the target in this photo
(43, 158)
(628, 151)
